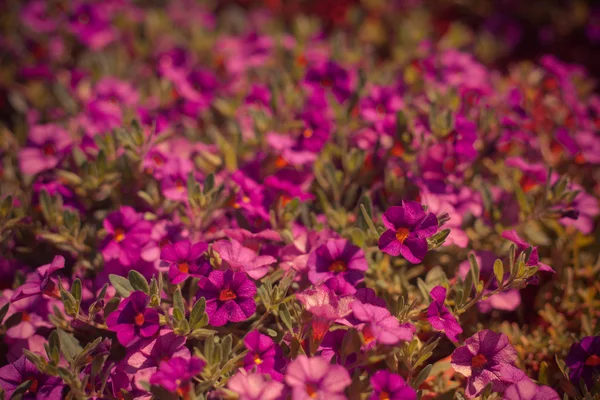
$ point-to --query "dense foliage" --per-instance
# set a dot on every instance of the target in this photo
(204, 201)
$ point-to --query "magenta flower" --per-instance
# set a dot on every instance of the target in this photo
(379, 326)
(314, 378)
(39, 282)
(47, 146)
(255, 387)
(127, 233)
(526, 389)
(264, 354)
(325, 307)
(133, 319)
(380, 108)
(239, 258)
(42, 386)
(329, 76)
(487, 357)
(522, 245)
(440, 317)
(408, 228)
(390, 387)
(184, 260)
(229, 296)
(144, 357)
(337, 257)
(583, 360)
(176, 374)
(91, 24)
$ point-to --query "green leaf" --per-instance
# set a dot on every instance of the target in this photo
(499, 272)
(421, 376)
(368, 220)
(69, 345)
(209, 183)
(121, 285)
(197, 312)
(178, 302)
(76, 290)
(474, 267)
(138, 282)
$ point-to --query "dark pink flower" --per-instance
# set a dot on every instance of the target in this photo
(337, 257)
(133, 319)
(379, 326)
(264, 355)
(127, 233)
(440, 317)
(583, 360)
(487, 357)
(229, 296)
(39, 282)
(185, 260)
(41, 387)
(176, 374)
(390, 386)
(408, 228)
(47, 146)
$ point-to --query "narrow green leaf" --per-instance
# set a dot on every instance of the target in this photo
(474, 267)
(499, 272)
(178, 302)
(422, 376)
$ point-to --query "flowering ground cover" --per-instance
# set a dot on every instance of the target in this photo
(303, 200)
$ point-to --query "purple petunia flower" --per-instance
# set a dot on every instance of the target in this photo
(47, 146)
(390, 387)
(337, 257)
(240, 258)
(440, 317)
(526, 389)
(42, 386)
(184, 260)
(127, 233)
(314, 378)
(408, 228)
(144, 357)
(264, 354)
(583, 360)
(487, 357)
(176, 374)
(522, 245)
(229, 296)
(39, 282)
(133, 319)
(379, 326)
(255, 387)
